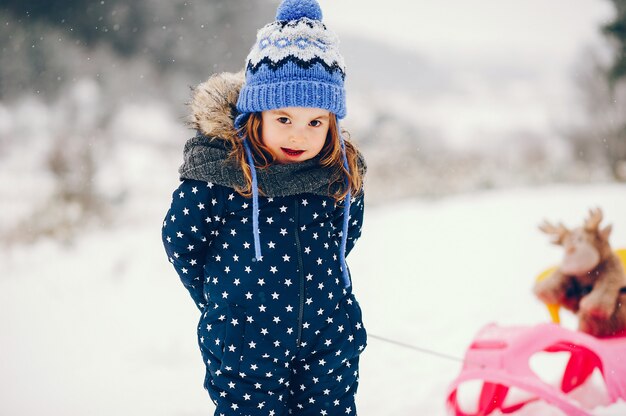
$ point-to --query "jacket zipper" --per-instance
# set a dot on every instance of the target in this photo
(301, 274)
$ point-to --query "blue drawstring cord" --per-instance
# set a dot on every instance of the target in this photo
(255, 203)
(346, 218)
(239, 122)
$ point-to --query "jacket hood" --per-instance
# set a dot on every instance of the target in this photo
(213, 105)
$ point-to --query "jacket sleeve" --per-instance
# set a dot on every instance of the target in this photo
(187, 232)
(355, 221)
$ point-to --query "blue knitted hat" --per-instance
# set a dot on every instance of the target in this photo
(295, 62)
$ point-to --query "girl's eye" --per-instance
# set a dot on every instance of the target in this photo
(315, 123)
(283, 120)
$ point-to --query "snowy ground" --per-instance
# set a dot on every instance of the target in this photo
(104, 328)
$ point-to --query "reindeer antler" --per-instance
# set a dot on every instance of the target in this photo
(558, 232)
(595, 217)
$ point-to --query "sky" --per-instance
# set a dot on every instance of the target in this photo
(471, 29)
(502, 68)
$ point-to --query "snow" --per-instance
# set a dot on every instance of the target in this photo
(103, 326)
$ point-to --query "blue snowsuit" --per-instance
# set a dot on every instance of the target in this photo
(281, 335)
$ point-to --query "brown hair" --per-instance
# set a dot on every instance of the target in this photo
(331, 156)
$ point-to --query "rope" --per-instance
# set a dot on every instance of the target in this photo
(420, 349)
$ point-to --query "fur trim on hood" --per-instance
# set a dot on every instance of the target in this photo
(213, 106)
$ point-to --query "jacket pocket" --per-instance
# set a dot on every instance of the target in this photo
(357, 335)
(221, 336)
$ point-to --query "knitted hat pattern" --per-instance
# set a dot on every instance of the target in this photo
(295, 62)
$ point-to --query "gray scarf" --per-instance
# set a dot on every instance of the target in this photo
(206, 159)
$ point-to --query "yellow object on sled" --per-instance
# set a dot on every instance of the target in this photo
(553, 309)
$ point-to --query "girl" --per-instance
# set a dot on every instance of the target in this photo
(270, 204)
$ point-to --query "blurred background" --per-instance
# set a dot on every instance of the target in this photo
(521, 100)
(443, 97)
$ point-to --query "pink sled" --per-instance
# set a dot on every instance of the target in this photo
(499, 356)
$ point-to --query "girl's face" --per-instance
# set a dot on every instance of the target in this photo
(294, 134)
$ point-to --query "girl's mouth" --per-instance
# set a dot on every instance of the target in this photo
(291, 152)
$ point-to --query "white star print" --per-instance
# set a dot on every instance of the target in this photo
(199, 230)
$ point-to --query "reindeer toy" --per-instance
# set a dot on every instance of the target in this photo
(590, 280)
